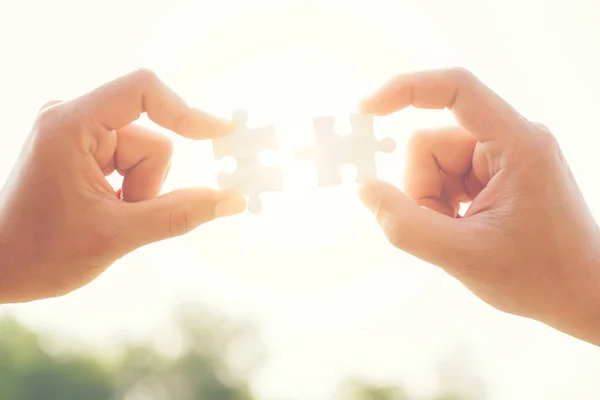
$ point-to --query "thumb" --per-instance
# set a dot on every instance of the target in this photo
(431, 236)
(177, 213)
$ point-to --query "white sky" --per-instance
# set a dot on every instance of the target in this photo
(331, 297)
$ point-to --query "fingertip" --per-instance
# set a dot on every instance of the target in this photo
(371, 104)
(230, 127)
(391, 97)
(422, 232)
(229, 204)
(370, 195)
(177, 213)
(225, 126)
(374, 106)
(202, 125)
(364, 105)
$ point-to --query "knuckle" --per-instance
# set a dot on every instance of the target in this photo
(541, 126)
(145, 76)
(179, 222)
(546, 138)
(165, 146)
(48, 120)
(49, 104)
(461, 74)
(418, 140)
(539, 146)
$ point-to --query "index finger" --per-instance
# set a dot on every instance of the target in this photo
(476, 107)
(123, 100)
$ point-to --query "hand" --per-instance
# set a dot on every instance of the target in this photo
(527, 244)
(62, 224)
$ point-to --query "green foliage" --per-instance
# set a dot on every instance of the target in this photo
(29, 372)
(200, 372)
(199, 369)
(356, 389)
(448, 397)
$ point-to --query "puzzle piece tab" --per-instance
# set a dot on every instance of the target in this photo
(332, 151)
(250, 177)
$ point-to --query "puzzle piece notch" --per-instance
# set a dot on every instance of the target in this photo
(250, 176)
(332, 151)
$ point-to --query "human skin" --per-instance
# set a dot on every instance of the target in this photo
(62, 224)
(528, 245)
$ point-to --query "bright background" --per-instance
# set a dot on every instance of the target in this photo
(330, 296)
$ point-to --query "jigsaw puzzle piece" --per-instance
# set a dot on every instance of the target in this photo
(245, 144)
(363, 147)
(332, 151)
(253, 182)
(250, 177)
(328, 160)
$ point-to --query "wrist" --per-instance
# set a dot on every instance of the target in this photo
(4, 267)
(590, 321)
(8, 268)
(582, 319)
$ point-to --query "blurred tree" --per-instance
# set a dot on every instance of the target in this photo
(448, 397)
(28, 372)
(358, 389)
(205, 357)
(201, 370)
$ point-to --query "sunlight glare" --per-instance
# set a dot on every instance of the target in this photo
(285, 65)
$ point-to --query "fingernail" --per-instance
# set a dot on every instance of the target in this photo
(229, 206)
(369, 196)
